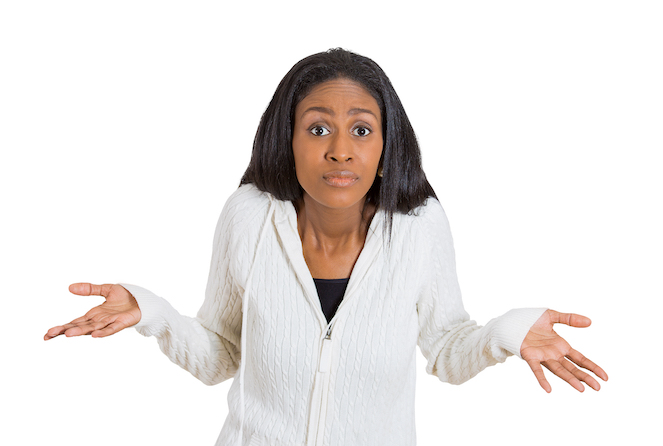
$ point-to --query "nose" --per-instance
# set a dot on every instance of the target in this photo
(340, 149)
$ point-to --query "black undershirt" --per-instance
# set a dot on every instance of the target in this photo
(330, 292)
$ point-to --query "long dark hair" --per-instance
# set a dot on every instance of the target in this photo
(403, 186)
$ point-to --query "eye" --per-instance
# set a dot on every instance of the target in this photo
(319, 130)
(361, 131)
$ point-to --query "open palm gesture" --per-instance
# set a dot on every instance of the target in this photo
(119, 311)
(542, 346)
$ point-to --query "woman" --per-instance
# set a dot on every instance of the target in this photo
(332, 262)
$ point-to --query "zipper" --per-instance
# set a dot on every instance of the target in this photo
(316, 426)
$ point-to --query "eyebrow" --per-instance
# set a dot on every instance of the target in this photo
(325, 110)
(329, 111)
(356, 111)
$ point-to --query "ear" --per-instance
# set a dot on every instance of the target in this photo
(381, 163)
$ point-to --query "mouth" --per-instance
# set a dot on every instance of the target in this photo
(340, 178)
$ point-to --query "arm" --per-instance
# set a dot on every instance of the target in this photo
(209, 345)
(198, 344)
(456, 347)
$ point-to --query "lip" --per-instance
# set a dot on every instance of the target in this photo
(340, 178)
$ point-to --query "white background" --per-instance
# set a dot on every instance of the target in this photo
(125, 125)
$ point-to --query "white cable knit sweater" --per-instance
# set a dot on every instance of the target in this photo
(306, 382)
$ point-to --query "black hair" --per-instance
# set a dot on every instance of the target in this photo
(403, 186)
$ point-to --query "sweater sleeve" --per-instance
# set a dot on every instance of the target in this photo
(208, 346)
(455, 346)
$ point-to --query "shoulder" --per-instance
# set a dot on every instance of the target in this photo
(238, 229)
(426, 225)
(427, 217)
(245, 204)
(243, 214)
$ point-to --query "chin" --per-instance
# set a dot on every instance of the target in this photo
(338, 199)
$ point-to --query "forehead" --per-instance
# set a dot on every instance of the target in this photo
(339, 93)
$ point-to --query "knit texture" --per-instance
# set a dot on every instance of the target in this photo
(400, 294)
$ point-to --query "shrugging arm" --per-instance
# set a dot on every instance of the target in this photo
(208, 345)
(455, 346)
(208, 349)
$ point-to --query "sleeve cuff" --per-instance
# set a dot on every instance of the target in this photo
(512, 327)
(154, 310)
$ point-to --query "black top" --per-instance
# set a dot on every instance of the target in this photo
(330, 292)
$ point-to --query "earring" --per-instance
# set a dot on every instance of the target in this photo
(380, 172)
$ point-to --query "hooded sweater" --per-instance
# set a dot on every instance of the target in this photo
(300, 380)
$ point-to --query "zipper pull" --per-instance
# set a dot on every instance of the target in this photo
(325, 355)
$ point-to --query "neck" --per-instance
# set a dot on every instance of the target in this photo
(329, 229)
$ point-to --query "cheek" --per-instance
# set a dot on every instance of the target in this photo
(297, 153)
(304, 165)
(307, 153)
(376, 154)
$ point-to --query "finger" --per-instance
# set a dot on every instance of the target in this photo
(59, 329)
(571, 319)
(79, 320)
(540, 376)
(84, 328)
(108, 330)
(81, 326)
(83, 289)
(561, 372)
(580, 360)
(89, 289)
(53, 332)
(581, 376)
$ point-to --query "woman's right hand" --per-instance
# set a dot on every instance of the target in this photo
(118, 312)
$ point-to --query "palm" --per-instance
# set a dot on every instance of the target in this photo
(543, 346)
(119, 311)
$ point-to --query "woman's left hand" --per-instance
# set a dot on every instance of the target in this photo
(543, 346)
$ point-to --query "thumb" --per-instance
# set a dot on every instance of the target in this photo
(570, 319)
(89, 289)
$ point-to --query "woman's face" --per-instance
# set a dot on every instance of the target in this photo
(337, 143)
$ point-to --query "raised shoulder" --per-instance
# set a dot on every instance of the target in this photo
(245, 205)
(425, 229)
(241, 218)
(435, 225)
(238, 229)
(429, 218)
(430, 212)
